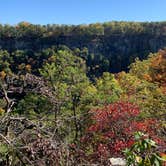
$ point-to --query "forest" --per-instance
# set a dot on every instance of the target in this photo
(75, 95)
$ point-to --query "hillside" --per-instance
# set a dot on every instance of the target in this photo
(68, 97)
(110, 46)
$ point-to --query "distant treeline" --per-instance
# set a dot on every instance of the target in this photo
(110, 46)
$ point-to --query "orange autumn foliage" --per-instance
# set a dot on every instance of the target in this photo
(28, 68)
(158, 68)
(2, 74)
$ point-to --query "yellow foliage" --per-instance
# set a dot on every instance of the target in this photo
(2, 111)
(147, 77)
(91, 89)
(21, 66)
(24, 23)
(2, 74)
(163, 156)
(28, 68)
(52, 59)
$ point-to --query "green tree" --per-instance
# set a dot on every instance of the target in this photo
(108, 89)
(67, 75)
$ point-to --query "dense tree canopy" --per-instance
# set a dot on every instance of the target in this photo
(109, 46)
(61, 105)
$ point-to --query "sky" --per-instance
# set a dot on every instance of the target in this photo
(80, 11)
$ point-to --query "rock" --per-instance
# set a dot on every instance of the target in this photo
(117, 161)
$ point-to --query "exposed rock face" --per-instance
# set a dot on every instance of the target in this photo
(119, 49)
(117, 162)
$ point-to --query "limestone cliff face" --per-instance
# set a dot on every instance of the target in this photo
(114, 45)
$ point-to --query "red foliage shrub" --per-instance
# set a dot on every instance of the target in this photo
(113, 129)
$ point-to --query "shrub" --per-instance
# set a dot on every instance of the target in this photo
(113, 130)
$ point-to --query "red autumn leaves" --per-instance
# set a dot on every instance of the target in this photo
(113, 129)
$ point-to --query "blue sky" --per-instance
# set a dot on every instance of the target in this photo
(80, 11)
